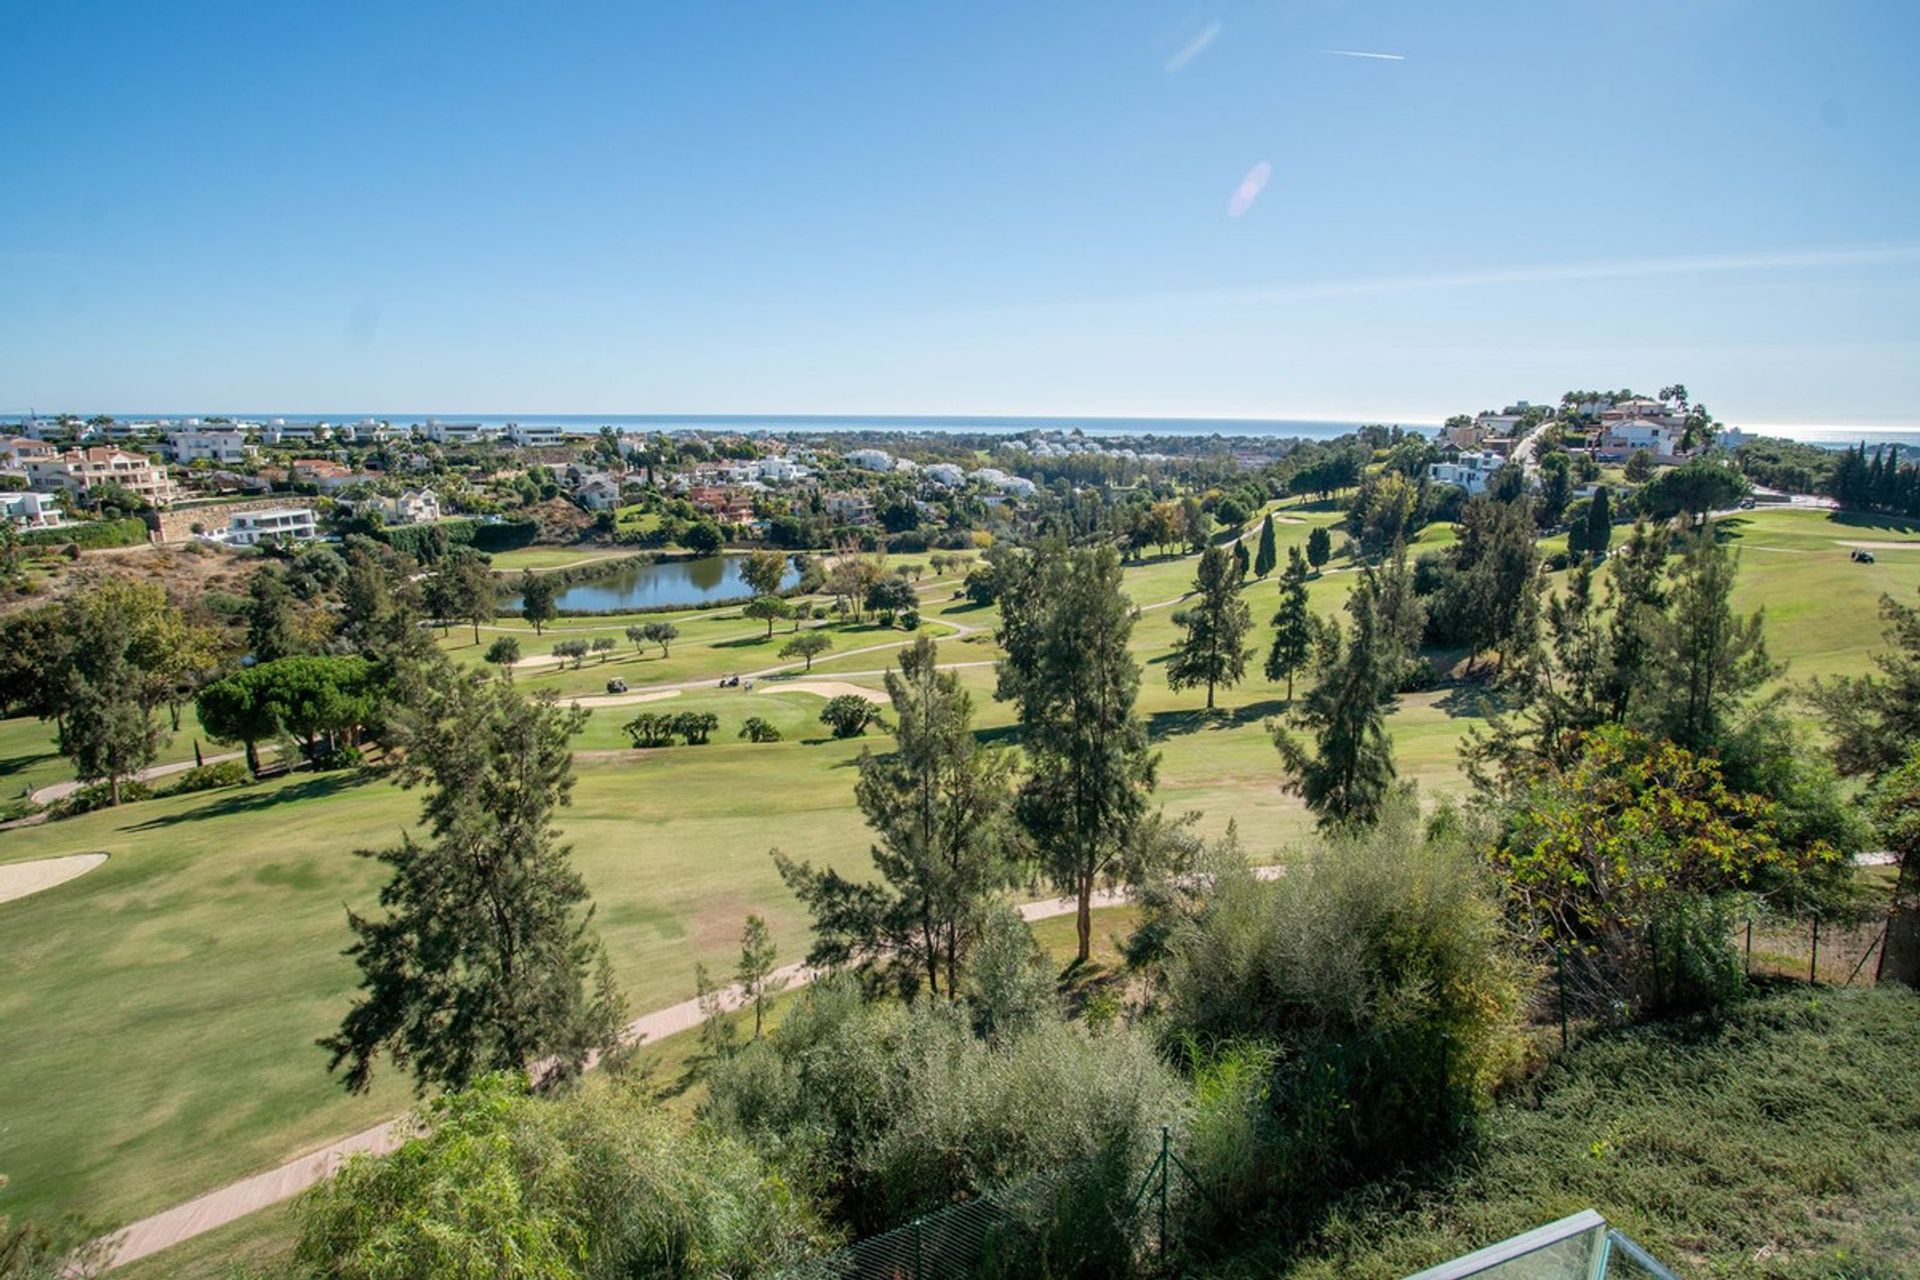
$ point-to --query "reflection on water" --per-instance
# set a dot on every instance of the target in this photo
(654, 586)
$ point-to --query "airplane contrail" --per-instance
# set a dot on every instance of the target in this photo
(1359, 53)
(1193, 48)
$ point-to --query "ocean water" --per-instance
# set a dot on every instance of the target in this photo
(1298, 428)
(1831, 437)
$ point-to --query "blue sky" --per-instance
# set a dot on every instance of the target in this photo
(963, 208)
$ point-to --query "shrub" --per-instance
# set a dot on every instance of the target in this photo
(650, 729)
(596, 1184)
(759, 729)
(97, 796)
(848, 715)
(695, 726)
(1381, 974)
(73, 539)
(209, 777)
(342, 756)
(892, 1111)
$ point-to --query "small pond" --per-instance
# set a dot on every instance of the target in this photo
(656, 586)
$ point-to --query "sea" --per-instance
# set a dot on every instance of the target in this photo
(1831, 437)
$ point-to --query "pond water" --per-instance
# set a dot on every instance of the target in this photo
(655, 586)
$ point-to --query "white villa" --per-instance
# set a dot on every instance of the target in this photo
(221, 443)
(530, 437)
(17, 451)
(993, 477)
(29, 510)
(1470, 471)
(282, 524)
(1625, 438)
(948, 474)
(871, 459)
(458, 432)
(280, 431)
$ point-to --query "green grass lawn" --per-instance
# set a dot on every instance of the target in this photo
(30, 758)
(1780, 1141)
(175, 993)
(538, 558)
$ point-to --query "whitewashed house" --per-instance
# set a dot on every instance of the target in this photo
(1470, 470)
(281, 524)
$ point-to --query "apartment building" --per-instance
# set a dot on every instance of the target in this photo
(77, 470)
(221, 443)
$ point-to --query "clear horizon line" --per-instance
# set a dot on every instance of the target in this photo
(1429, 419)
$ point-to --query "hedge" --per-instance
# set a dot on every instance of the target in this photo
(506, 536)
(129, 532)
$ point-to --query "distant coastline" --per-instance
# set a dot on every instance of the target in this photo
(1833, 437)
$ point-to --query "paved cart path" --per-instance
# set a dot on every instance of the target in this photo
(217, 1208)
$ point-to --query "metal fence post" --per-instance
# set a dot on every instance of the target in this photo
(1166, 1146)
(1560, 964)
(1813, 958)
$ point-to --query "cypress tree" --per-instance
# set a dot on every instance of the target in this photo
(1267, 558)
(1292, 624)
(1599, 523)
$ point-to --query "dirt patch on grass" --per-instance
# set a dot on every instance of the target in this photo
(18, 879)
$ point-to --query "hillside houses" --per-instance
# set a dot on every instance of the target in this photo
(76, 471)
(224, 444)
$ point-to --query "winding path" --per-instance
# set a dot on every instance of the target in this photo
(61, 790)
(236, 1200)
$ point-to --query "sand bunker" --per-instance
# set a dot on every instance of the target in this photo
(827, 689)
(18, 879)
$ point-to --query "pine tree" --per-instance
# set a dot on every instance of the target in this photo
(1267, 558)
(536, 600)
(1345, 778)
(1065, 625)
(936, 804)
(1214, 651)
(485, 959)
(1705, 660)
(755, 972)
(1292, 624)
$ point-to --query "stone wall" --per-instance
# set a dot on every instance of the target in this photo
(176, 525)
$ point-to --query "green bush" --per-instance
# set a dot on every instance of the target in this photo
(599, 1184)
(1381, 975)
(344, 756)
(695, 727)
(129, 532)
(848, 715)
(759, 729)
(209, 777)
(98, 796)
(650, 729)
(889, 1111)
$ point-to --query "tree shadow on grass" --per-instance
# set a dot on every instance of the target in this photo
(1874, 520)
(259, 799)
(1162, 725)
(10, 765)
(1470, 699)
(748, 642)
